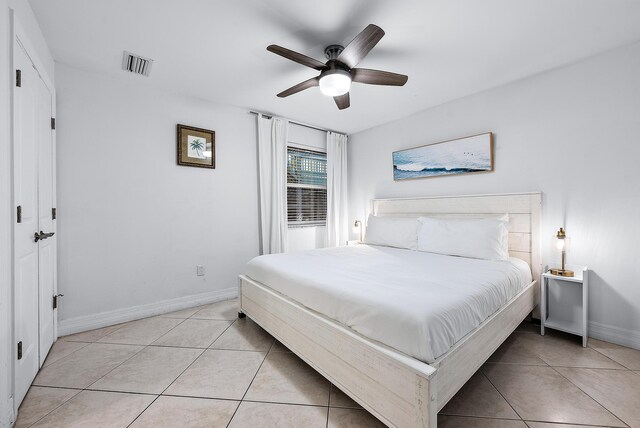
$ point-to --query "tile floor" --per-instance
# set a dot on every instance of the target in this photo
(203, 367)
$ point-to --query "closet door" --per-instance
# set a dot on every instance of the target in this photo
(46, 247)
(25, 149)
(34, 245)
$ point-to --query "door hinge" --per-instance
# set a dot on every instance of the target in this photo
(53, 123)
(55, 300)
(54, 213)
(20, 350)
(19, 78)
(19, 213)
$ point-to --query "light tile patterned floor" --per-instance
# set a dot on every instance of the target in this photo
(203, 367)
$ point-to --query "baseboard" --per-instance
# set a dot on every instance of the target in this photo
(609, 333)
(104, 319)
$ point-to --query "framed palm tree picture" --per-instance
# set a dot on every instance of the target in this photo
(196, 147)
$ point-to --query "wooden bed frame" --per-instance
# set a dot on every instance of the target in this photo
(400, 390)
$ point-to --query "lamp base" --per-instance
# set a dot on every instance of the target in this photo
(561, 272)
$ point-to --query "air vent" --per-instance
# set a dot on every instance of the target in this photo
(136, 64)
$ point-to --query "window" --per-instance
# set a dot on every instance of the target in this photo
(306, 187)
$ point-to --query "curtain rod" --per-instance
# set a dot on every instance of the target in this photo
(306, 125)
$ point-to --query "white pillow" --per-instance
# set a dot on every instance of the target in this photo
(485, 238)
(392, 232)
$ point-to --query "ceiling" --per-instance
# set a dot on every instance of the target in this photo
(216, 50)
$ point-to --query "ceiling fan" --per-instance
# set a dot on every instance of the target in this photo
(337, 74)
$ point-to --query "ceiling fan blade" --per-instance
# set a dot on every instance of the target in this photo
(361, 45)
(297, 57)
(378, 77)
(342, 101)
(300, 87)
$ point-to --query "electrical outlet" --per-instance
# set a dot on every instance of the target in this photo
(200, 270)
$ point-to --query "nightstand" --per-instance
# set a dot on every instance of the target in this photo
(564, 302)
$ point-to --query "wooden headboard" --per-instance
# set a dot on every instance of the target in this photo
(523, 209)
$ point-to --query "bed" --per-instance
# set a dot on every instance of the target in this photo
(370, 354)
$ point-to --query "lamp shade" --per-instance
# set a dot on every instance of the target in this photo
(562, 241)
(335, 82)
(357, 228)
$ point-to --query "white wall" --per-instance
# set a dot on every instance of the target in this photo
(25, 16)
(307, 238)
(132, 224)
(573, 133)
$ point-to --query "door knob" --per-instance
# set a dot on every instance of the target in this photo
(40, 236)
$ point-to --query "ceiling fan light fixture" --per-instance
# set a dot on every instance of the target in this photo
(335, 82)
(337, 74)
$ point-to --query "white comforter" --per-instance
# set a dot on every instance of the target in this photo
(418, 303)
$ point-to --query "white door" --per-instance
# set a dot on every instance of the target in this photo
(46, 247)
(33, 193)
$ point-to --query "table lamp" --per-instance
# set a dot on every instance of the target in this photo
(562, 243)
(357, 227)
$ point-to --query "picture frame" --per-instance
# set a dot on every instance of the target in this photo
(196, 147)
(465, 155)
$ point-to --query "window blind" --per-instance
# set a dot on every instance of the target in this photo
(306, 187)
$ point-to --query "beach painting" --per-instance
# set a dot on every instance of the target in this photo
(461, 156)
